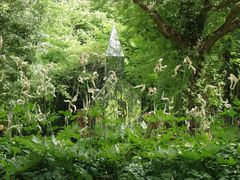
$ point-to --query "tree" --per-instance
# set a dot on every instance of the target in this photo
(190, 30)
(19, 27)
(172, 30)
(196, 38)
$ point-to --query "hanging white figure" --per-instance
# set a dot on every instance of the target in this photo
(188, 61)
(113, 79)
(91, 91)
(93, 78)
(152, 91)
(234, 80)
(209, 86)
(226, 104)
(171, 104)
(203, 106)
(142, 86)
(192, 111)
(82, 79)
(176, 70)
(71, 106)
(168, 102)
(1, 42)
(165, 109)
(165, 98)
(159, 67)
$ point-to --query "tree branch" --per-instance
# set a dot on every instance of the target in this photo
(203, 15)
(208, 7)
(225, 3)
(232, 22)
(165, 29)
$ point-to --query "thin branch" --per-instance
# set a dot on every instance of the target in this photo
(208, 6)
(203, 15)
(165, 29)
(224, 4)
(231, 23)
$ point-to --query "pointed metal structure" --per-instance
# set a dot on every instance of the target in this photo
(114, 55)
(118, 99)
(114, 47)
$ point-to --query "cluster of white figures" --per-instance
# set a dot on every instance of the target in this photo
(114, 50)
(118, 96)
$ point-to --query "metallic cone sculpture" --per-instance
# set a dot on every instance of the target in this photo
(114, 47)
(114, 56)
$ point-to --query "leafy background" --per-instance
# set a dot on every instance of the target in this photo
(51, 53)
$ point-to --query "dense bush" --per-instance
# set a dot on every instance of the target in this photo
(118, 157)
(173, 115)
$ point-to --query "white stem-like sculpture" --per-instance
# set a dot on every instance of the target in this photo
(152, 91)
(188, 61)
(234, 80)
(165, 98)
(209, 86)
(142, 86)
(176, 70)
(159, 67)
(71, 106)
(1, 42)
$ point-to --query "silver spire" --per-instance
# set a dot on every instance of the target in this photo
(114, 47)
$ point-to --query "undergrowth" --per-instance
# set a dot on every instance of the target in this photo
(126, 155)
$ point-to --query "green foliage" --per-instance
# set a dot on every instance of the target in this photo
(131, 155)
(52, 58)
(20, 21)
